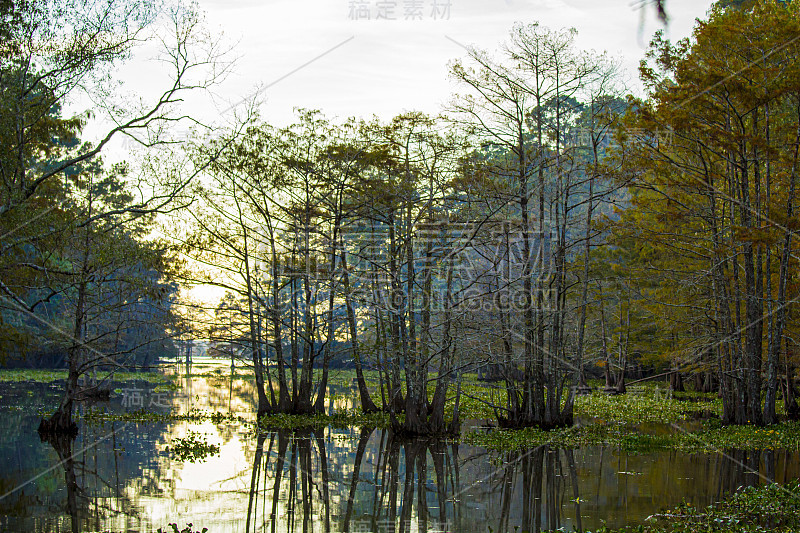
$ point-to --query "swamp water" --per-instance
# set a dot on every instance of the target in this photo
(119, 476)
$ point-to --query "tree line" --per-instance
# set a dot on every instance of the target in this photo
(546, 228)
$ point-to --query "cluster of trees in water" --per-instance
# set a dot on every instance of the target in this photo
(546, 228)
(543, 228)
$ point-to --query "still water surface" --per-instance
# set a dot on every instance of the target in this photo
(121, 476)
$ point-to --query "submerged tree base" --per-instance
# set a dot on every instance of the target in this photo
(520, 422)
(404, 432)
(59, 424)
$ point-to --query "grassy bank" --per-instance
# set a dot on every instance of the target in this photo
(50, 375)
(772, 507)
(708, 436)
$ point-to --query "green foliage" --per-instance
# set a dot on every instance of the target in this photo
(714, 437)
(621, 436)
(710, 437)
(39, 376)
(47, 376)
(478, 398)
(193, 448)
(644, 422)
(715, 267)
(100, 416)
(645, 404)
(649, 406)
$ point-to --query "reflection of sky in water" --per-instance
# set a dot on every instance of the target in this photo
(132, 483)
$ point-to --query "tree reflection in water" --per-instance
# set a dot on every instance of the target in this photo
(93, 486)
(403, 485)
(301, 458)
(77, 502)
(371, 481)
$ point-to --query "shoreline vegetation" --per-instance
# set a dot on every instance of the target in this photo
(647, 418)
(771, 507)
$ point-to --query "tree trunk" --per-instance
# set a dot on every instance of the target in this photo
(367, 405)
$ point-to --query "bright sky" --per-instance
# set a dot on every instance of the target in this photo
(387, 66)
(326, 54)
